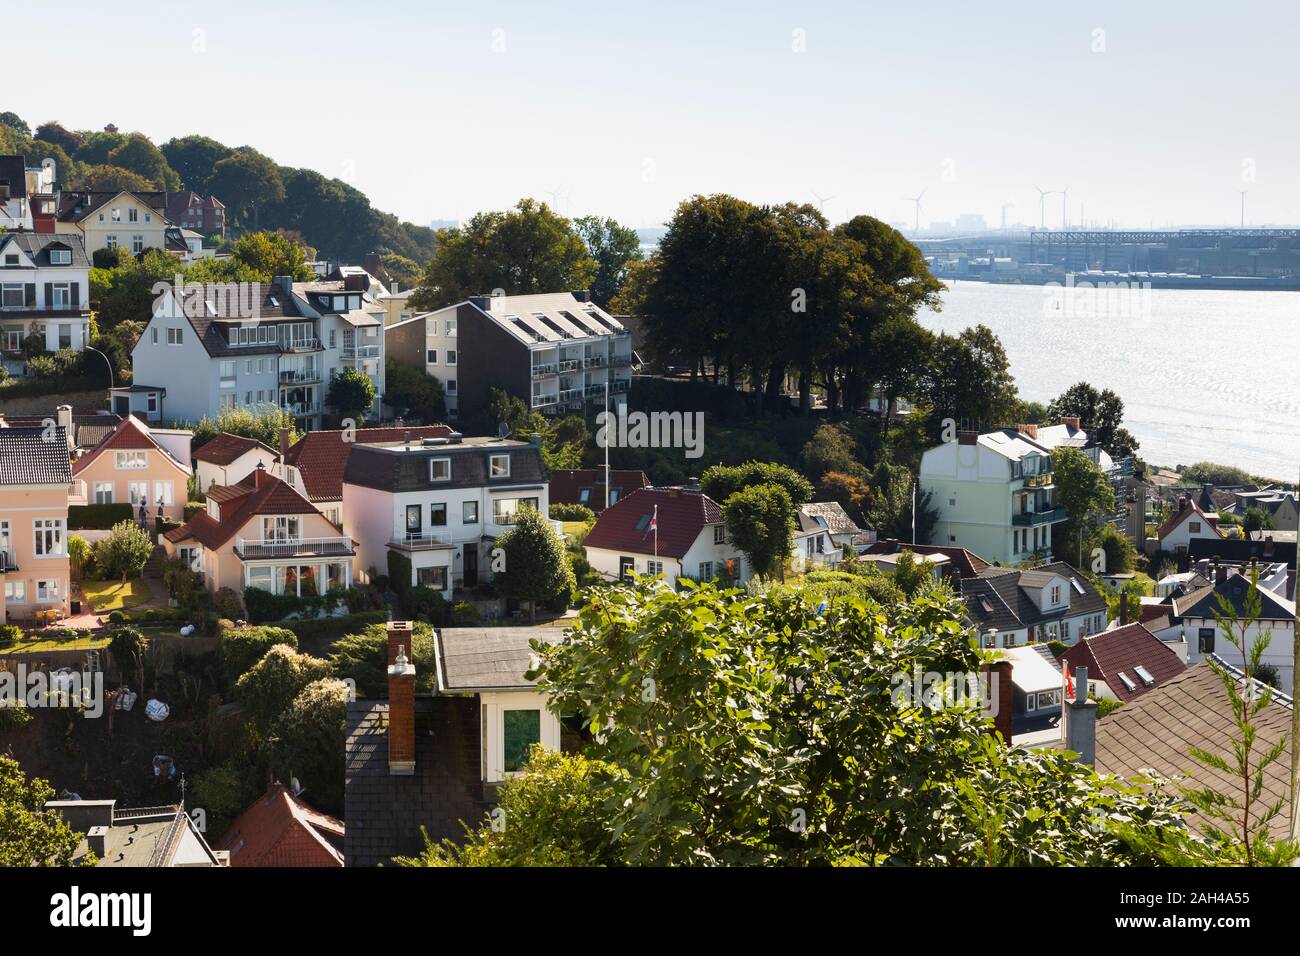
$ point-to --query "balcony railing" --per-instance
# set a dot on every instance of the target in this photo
(297, 376)
(596, 389)
(421, 541)
(1038, 481)
(541, 401)
(569, 394)
(570, 365)
(1031, 518)
(620, 361)
(360, 351)
(594, 361)
(299, 548)
(301, 409)
(301, 345)
(541, 371)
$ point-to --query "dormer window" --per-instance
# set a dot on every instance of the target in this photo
(499, 466)
(11, 259)
(440, 469)
(60, 257)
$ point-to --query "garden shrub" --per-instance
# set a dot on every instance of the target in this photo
(565, 511)
(240, 648)
(97, 517)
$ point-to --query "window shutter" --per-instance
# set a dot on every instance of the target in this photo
(76, 295)
(31, 295)
(49, 295)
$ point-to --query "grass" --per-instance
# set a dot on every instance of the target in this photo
(35, 644)
(573, 528)
(105, 596)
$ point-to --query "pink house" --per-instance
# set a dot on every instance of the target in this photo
(34, 480)
(135, 463)
(261, 533)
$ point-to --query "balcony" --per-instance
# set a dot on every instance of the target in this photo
(1032, 518)
(542, 401)
(299, 548)
(542, 371)
(301, 409)
(301, 345)
(296, 376)
(1039, 481)
(570, 394)
(594, 361)
(596, 390)
(422, 541)
(570, 365)
(620, 361)
(352, 353)
(620, 386)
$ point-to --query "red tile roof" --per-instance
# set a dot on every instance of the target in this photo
(260, 493)
(683, 514)
(965, 563)
(279, 829)
(321, 456)
(226, 447)
(130, 433)
(1124, 649)
(566, 483)
(1189, 510)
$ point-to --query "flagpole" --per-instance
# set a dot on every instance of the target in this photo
(656, 532)
(607, 442)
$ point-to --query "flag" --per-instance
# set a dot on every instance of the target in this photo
(1069, 681)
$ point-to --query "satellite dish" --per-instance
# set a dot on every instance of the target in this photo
(503, 430)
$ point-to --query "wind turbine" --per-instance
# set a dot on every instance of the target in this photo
(1005, 207)
(917, 201)
(556, 196)
(1042, 205)
(821, 200)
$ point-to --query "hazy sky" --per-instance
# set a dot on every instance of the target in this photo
(1149, 112)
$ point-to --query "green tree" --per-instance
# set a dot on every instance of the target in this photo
(128, 647)
(262, 424)
(78, 553)
(124, 552)
(106, 177)
(193, 158)
(268, 688)
(527, 249)
(1256, 519)
(537, 566)
(30, 835)
(1100, 414)
(15, 122)
(245, 181)
(832, 448)
(557, 814)
(968, 379)
(351, 393)
(54, 133)
(770, 730)
(307, 741)
(363, 659)
(1085, 494)
(760, 522)
(720, 482)
(413, 392)
(611, 247)
(138, 154)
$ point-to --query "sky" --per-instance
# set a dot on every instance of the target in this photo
(1150, 114)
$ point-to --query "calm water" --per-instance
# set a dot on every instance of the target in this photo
(1205, 375)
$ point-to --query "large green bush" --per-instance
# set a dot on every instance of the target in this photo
(239, 648)
(97, 517)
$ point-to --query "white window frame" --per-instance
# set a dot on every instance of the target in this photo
(104, 492)
(439, 462)
(135, 459)
(495, 469)
(47, 591)
(49, 538)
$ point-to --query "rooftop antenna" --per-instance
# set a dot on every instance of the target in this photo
(503, 430)
(917, 201)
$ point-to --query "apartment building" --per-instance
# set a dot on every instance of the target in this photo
(44, 292)
(994, 491)
(35, 476)
(202, 214)
(440, 502)
(28, 198)
(261, 533)
(558, 351)
(279, 344)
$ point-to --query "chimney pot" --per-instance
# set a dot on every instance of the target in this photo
(97, 841)
(401, 701)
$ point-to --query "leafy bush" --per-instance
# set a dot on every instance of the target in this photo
(564, 511)
(240, 648)
(308, 741)
(194, 507)
(226, 603)
(117, 617)
(10, 634)
(423, 602)
(97, 517)
(268, 687)
(363, 658)
(324, 628)
(14, 714)
(464, 614)
(125, 551)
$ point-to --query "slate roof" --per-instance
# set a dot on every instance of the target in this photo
(1192, 710)
(392, 467)
(1234, 587)
(258, 494)
(13, 173)
(76, 205)
(834, 518)
(133, 837)
(475, 659)
(225, 448)
(1191, 510)
(28, 458)
(567, 483)
(1242, 549)
(321, 456)
(966, 563)
(995, 597)
(129, 433)
(37, 246)
(88, 429)
(683, 514)
(1123, 650)
(383, 813)
(281, 829)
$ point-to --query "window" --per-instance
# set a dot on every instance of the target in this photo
(227, 374)
(505, 509)
(137, 244)
(451, 327)
(451, 386)
(521, 729)
(61, 295)
(1049, 699)
(1193, 527)
(413, 526)
(174, 337)
(47, 592)
(440, 469)
(110, 242)
(451, 356)
(11, 258)
(130, 460)
(438, 514)
(1205, 640)
(654, 567)
(116, 214)
(65, 335)
(435, 578)
(12, 295)
(720, 534)
(162, 491)
(279, 527)
(60, 257)
(613, 497)
(154, 335)
(138, 492)
(431, 357)
(48, 535)
(103, 492)
(1056, 594)
(706, 571)
(133, 215)
(4, 537)
(16, 591)
(469, 512)
(261, 578)
(499, 466)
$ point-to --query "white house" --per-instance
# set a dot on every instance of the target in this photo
(229, 459)
(441, 503)
(1188, 523)
(673, 532)
(44, 291)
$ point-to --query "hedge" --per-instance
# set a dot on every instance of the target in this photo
(97, 517)
(329, 628)
(242, 647)
(567, 511)
(262, 606)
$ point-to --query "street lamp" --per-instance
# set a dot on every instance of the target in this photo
(106, 362)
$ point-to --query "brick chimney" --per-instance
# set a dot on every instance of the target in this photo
(1001, 690)
(371, 264)
(1123, 607)
(1080, 719)
(1030, 430)
(401, 700)
(967, 437)
(1220, 573)
(355, 283)
(284, 445)
(1070, 421)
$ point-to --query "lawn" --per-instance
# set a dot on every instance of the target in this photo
(573, 528)
(36, 644)
(105, 596)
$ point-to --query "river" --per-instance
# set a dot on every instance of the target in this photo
(1204, 375)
